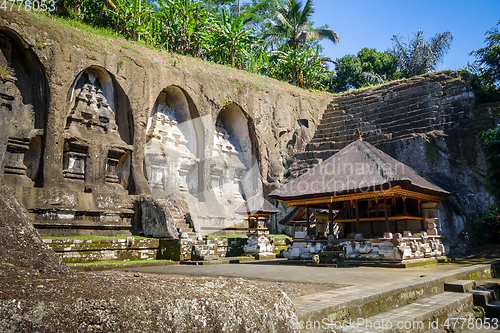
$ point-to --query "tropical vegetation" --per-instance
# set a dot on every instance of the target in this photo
(273, 38)
(418, 56)
(367, 68)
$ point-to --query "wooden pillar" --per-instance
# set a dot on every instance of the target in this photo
(379, 227)
(330, 217)
(404, 213)
(357, 218)
(350, 210)
(422, 222)
(308, 221)
(386, 216)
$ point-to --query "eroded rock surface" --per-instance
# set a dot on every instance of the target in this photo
(40, 293)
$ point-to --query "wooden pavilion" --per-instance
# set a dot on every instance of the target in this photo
(365, 191)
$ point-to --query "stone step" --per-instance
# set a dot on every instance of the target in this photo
(487, 299)
(192, 237)
(460, 286)
(181, 223)
(364, 302)
(184, 229)
(316, 154)
(415, 317)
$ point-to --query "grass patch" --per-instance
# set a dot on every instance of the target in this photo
(94, 237)
(124, 46)
(227, 236)
(4, 73)
(239, 257)
(116, 262)
(101, 31)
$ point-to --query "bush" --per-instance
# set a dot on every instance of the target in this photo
(488, 226)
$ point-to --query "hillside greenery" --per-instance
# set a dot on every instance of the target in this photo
(273, 38)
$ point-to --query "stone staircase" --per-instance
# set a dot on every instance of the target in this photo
(386, 113)
(204, 252)
(193, 247)
(486, 295)
(427, 304)
(180, 222)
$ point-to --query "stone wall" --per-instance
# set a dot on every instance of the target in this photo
(74, 250)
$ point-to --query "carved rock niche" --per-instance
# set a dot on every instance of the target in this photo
(234, 168)
(174, 137)
(97, 148)
(23, 105)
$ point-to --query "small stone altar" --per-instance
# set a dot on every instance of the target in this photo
(257, 209)
(303, 247)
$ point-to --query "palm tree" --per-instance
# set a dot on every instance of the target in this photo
(418, 56)
(293, 24)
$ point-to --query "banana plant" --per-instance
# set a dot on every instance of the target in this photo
(184, 26)
(302, 67)
(231, 46)
(130, 16)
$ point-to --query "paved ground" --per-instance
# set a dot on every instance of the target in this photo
(349, 279)
(273, 271)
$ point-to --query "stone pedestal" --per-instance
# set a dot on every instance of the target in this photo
(429, 212)
(258, 245)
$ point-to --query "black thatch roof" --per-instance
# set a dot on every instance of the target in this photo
(358, 167)
(256, 205)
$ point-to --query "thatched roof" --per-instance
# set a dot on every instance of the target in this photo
(358, 167)
(256, 205)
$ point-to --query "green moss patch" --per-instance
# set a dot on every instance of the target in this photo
(96, 237)
(118, 262)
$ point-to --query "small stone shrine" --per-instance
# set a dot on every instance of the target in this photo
(257, 209)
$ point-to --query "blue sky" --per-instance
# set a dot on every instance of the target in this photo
(372, 23)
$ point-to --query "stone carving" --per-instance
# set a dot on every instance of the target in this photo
(417, 246)
(226, 168)
(93, 148)
(74, 161)
(303, 250)
(258, 243)
(169, 162)
(21, 105)
(92, 110)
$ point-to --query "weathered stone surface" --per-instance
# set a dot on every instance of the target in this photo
(156, 218)
(118, 302)
(40, 293)
(88, 250)
(21, 246)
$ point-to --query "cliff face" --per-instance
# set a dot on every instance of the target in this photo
(92, 122)
(96, 121)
